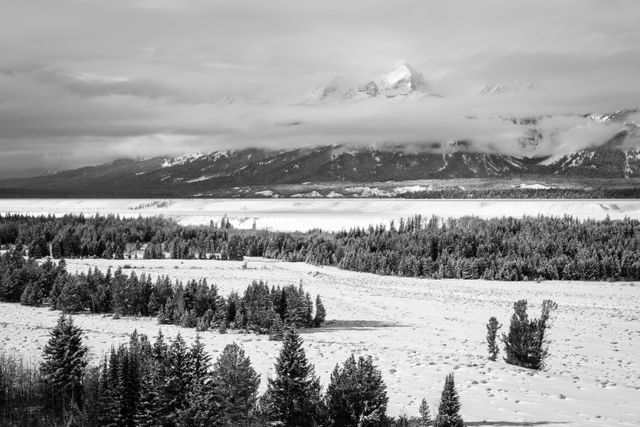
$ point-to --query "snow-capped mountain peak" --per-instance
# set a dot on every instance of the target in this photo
(402, 82)
(403, 77)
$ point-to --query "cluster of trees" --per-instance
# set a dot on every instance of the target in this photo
(168, 383)
(529, 248)
(76, 236)
(527, 342)
(261, 308)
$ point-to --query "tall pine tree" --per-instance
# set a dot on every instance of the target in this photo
(448, 411)
(425, 414)
(321, 313)
(356, 395)
(293, 396)
(492, 332)
(235, 386)
(63, 368)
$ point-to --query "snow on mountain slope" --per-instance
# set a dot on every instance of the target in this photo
(402, 82)
(403, 79)
(506, 88)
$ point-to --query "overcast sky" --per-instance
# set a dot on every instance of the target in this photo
(86, 81)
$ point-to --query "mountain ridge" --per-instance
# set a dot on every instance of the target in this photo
(203, 174)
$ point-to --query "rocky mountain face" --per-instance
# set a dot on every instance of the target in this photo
(205, 174)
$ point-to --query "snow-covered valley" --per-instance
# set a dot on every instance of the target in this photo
(417, 330)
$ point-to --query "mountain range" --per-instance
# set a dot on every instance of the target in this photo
(254, 171)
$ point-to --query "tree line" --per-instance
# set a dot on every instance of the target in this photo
(169, 383)
(196, 304)
(630, 192)
(529, 248)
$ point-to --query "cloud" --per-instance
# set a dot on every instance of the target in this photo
(88, 81)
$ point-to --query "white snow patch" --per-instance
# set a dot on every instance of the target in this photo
(181, 160)
(368, 192)
(312, 194)
(409, 189)
(200, 179)
(535, 186)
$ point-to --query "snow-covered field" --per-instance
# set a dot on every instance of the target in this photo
(328, 214)
(418, 330)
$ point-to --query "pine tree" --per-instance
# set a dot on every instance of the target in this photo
(526, 344)
(541, 341)
(517, 341)
(308, 305)
(356, 395)
(152, 376)
(199, 413)
(448, 411)
(65, 361)
(492, 331)
(198, 409)
(109, 399)
(199, 364)
(276, 332)
(293, 396)
(321, 313)
(175, 384)
(235, 386)
(425, 414)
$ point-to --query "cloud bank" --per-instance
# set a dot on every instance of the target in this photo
(83, 82)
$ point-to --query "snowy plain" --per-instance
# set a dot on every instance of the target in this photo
(417, 330)
(327, 214)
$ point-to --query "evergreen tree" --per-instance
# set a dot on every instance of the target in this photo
(541, 340)
(64, 364)
(425, 414)
(293, 396)
(147, 413)
(276, 332)
(492, 331)
(356, 395)
(199, 413)
(108, 399)
(175, 381)
(448, 411)
(321, 313)
(526, 344)
(199, 364)
(235, 386)
(517, 341)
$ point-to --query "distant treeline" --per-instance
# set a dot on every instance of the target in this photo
(261, 309)
(529, 248)
(527, 193)
(599, 190)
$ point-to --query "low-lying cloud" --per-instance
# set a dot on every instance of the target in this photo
(87, 82)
